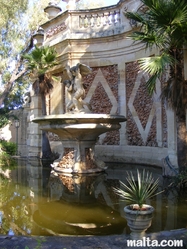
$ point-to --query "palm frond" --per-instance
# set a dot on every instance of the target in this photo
(38, 63)
(41, 59)
(163, 24)
(155, 66)
(136, 17)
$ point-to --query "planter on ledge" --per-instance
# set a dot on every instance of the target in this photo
(138, 220)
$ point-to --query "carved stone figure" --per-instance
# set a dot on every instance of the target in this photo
(27, 98)
(72, 78)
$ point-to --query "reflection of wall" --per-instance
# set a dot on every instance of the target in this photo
(19, 174)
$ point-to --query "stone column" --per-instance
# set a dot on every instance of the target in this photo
(122, 102)
(34, 133)
(172, 137)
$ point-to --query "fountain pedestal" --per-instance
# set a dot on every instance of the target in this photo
(79, 134)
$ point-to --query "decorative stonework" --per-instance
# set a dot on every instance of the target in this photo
(101, 91)
(101, 88)
(102, 19)
(88, 158)
(53, 137)
(111, 138)
(141, 110)
(55, 30)
(68, 158)
(143, 103)
(102, 106)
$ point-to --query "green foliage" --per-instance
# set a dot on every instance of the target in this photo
(180, 180)
(3, 120)
(163, 24)
(11, 8)
(18, 21)
(40, 59)
(155, 66)
(7, 162)
(138, 192)
(10, 25)
(8, 147)
(38, 64)
(6, 115)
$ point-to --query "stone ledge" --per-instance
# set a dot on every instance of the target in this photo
(86, 242)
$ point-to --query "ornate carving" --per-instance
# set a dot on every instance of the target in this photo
(55, 30)
(72, 78)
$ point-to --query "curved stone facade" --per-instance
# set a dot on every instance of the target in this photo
(99, 39)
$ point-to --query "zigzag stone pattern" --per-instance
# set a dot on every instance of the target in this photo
(141, 110)
(101, 88)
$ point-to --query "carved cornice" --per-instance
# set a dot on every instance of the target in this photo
(55, 30)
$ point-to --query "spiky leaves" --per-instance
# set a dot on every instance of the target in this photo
(155, 66)
(138, 190)
(38, 62)
(162, 24)
(40, 59)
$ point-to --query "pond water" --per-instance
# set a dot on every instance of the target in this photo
(34, 200)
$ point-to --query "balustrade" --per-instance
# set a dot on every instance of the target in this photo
(103, 22)
(100, 19)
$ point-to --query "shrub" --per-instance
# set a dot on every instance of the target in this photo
(180, 180)
(8, 147)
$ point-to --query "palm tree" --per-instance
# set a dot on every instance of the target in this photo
(162, 24)
(38, 63)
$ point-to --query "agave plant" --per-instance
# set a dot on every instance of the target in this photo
(137, 192)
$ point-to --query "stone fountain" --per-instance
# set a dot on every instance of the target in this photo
(79, 128)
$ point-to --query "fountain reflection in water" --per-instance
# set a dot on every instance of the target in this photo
(38, 201)
(74, 208)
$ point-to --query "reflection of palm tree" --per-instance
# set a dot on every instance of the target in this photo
(164, 24)
(39, 61)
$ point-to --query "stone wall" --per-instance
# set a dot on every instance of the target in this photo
(144, 137)
(102, 93)
(141, 111)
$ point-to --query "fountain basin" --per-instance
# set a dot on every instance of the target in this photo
(79, 133)
(78, 219)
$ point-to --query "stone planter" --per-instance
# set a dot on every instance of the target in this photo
(139, 220)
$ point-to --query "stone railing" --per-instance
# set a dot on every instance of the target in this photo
(103, 18)
(101, 22)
